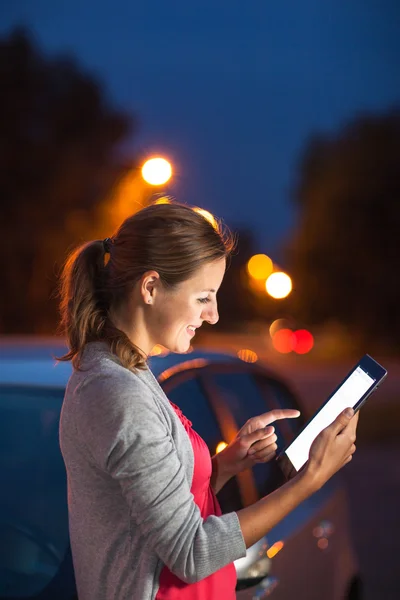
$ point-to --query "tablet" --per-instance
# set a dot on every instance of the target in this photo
(354, 390)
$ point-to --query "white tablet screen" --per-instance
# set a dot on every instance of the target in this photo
(349, 393)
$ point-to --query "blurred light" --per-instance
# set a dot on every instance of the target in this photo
(278, 285)
(322, 543)
(159, 350)
(247, 355)
(259, 569)
(207, 215)
(282, 341)
(163, 200)
(329, 528)
(303, 341)
(318, 531)
(260, 266)
(278, 324)
(324, 529)
(156, 171)
(274, 549)
(221, 446)
(194, 363)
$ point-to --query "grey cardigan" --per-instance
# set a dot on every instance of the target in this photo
(129, 467)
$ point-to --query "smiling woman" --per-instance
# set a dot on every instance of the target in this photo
(153, 282)
(144, 518)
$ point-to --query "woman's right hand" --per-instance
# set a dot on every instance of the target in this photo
(332, 448)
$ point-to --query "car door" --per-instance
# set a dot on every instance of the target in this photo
(35, 559)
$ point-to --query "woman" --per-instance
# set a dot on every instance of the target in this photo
(144, 519)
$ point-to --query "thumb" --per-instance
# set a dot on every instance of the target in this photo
(259, 434)
(342, 420)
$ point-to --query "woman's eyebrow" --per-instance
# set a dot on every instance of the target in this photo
(208, 290)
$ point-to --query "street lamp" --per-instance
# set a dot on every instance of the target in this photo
(260, 266)
(156, 171)
(278, 285)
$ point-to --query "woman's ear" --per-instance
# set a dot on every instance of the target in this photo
(150, 283)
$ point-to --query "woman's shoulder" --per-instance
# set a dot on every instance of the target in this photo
(101, 376)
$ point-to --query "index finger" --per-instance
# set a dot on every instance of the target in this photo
(277, 414)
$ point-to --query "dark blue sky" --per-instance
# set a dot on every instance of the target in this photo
(230, 90)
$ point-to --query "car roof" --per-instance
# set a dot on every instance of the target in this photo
(27, 362)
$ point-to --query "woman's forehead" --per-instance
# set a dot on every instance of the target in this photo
(209, 276)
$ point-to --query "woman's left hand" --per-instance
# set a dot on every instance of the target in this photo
(254, 443)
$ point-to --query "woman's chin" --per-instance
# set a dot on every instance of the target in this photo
(183, 348)
(179, 346)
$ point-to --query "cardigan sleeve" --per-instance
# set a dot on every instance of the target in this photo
(128, 438)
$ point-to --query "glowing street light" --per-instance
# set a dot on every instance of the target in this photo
(156, 171)
(278, 285)
(260, 266)
(221, 446)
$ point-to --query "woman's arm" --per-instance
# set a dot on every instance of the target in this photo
(259, 518)
(220, 476)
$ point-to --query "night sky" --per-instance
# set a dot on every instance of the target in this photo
(229, 90)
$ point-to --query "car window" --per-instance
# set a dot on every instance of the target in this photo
(277, 395)
(188, 394)
(34, 538)
(248, 395)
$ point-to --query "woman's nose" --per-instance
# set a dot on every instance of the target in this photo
(211, 314)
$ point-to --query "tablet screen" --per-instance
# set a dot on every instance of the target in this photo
(349, 393)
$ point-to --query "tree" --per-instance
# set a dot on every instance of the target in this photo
(345, 253)
(58, 160)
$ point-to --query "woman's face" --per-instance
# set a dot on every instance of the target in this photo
(175, 315)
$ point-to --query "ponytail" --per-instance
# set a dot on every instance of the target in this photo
(84, 307)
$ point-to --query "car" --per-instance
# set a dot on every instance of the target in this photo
(308, 555)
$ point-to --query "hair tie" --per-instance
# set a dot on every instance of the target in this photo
(107, 245)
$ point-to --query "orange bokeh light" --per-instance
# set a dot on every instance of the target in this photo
(260, 267)
(247, 355)
(283, 340)
(221, 446)
(274, 549)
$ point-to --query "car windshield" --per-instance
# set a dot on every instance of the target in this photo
(33, 512)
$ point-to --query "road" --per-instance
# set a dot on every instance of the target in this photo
(373, 482)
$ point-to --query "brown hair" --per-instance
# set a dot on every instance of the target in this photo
(173, 239)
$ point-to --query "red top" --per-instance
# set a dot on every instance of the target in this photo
(222, 583)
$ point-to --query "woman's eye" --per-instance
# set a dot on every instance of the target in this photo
(204, 300)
